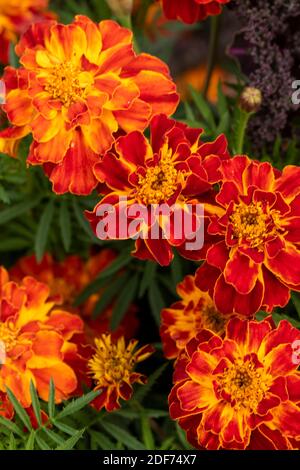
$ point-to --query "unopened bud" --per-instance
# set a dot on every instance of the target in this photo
(250, 100)
(121, 8)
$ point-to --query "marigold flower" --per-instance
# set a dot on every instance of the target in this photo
(170, 170)
(15, 17)
(240, 391)
(37, 341)
(79, 84)
(67, 278)
(112, 370)
(185, 318)
(190, 11)
(253, 245)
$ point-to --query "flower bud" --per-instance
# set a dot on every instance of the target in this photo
(250, 100)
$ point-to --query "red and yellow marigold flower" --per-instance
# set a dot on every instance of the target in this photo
(67, 278)
(241, 391)
(79, 85)
(185, 318)
(170, 170)
(38, 341)
(15, 17)
(253, 241)
(190, 11)
(112, 370)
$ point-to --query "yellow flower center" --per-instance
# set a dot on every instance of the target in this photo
(112, 363)
(8, 335)
(246, 384)
(212, 319)
(159, 182)
(63, 84)
(254, 223)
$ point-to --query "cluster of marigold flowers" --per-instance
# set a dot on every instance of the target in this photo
(86, 98)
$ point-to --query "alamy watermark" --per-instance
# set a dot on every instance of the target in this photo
(2, 92)
(296, 94)
(2, 353)
(176, 223)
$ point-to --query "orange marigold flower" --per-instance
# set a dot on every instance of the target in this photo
(37, 341)
(241, 391)
(168, 171)
(190, 11)
(78, 86)
(15, 17)
(67, 278)
(112, 370)
(185, 318)
(253, 243)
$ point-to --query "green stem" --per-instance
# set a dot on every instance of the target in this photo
(241, 131)
(213, 46)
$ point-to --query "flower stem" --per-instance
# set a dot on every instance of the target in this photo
(213, 46)
(241, 131)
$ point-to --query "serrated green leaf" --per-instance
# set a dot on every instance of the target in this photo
(30, 441)
(123, 301)
(42, 234)
(102, 440)
(76, 405)
(109, 294)
(12, 427)
(148, 276)
(72, 441)
(19, 409)
(53, 436)
(64, 427)
(65, 224)
(143, 391)
(51, 399)
(156, 301)
(12, 445)
(35, 403)
(18, 209)
(41, 443)
(122, 436)
(203, 108)
(147, 434)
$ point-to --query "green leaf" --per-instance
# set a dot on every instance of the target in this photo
(189, 112)
(103, 441)
(4, 196)
(35, 403)
(182, 438)
(14, 244)
(156, 301)
(296, 302)
(143, 391)
(123, 436)
(51, 399)
(65, 224)
(176, 269)
(83, 223)
(222, 101)
(101, 280)
(76, 405)
(123, 301)
(53, 436)
(41, 443)
(203, 108)
(30, 442)
(223, 124)
(12, 445)
(72, 441)
(18, 209)
(64, 427)
(148, 276)
(19, 409)
(12, 427)
(147, 434)
(109, 294)
(42, 234)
